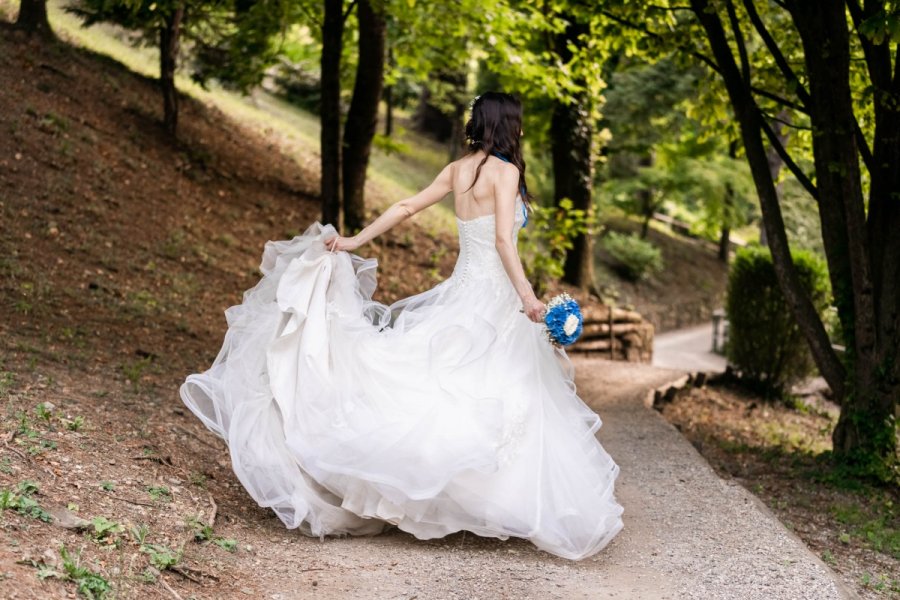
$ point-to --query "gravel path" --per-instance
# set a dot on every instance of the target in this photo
(688, 349)
(688, 533)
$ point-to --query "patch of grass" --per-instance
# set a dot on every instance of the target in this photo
(875, 526)
(88, 583)
(74, 424)
(228, 544)
(22, 502)
(7, 379)
(143, 303)
(174, 246)
(43, 412)
(198, 479)
(139, 534)
(104, 529)
(159, 493)
(161, 557)
(134, 370)
(107, 486)
(53, 123)
(204, 533)
(880, 583)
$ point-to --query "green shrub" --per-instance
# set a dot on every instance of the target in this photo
(764, 342)
(634, 258)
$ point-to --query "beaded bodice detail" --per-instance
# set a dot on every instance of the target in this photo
(478, 257)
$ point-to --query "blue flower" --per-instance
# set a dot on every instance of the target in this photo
(563, 320)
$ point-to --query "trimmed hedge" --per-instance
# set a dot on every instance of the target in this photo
(764, 341)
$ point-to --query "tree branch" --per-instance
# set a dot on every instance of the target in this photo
(643, 29)
(739, 40)
(349, 10)
(783, 122)
(807, 184)
(772, 45)
(780, 100)
(863, 144)
(668, 8)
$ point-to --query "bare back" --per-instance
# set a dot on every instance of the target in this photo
(471, 202)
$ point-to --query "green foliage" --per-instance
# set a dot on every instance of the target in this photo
(549, 235)
(89, 584)
(158, 492)
(764, 342)
(43, 412)
(74, 424)
(104, 528)
(22, 502)
(875, 528)
(204, 533)
(228, 544)
(161, 557)
(634, 258)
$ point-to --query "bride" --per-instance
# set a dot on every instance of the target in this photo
(445, 411)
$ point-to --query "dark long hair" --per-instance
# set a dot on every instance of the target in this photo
(495, 127)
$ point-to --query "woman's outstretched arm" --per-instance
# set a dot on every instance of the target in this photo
(505, 207)
(398, 212)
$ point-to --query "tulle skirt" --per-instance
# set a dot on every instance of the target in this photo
(445, 411)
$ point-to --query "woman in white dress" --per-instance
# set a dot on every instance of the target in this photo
(445, 411)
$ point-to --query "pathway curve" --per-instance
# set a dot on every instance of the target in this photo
(688, 533)
(688, 349)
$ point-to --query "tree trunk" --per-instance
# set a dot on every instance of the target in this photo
(362, 119)
(645, 198)
(725, 244)
(389, 111)
(389, 101)
(33, 17)
(330, 112)
(727, 210)
(857, 264)
(440, 108)
(775, 163)
(748, 116)
(573, 165)
(169, 39)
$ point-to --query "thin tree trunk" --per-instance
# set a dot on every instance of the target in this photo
(33, 17)
(389, 101)
(727, 209)
(775, 163)
(362, 118)
(573, 166)
(330, 112)
(169, 40)
(389, 111)
(725, 244)
(646, 198)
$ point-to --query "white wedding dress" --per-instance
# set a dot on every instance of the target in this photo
(445, 411)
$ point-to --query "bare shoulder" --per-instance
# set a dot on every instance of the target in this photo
(506, 172)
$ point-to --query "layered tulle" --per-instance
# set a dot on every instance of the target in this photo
(445, 411)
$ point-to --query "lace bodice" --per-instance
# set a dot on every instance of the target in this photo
(478, 257)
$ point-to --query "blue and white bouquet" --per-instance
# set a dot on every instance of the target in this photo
(563, 320)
